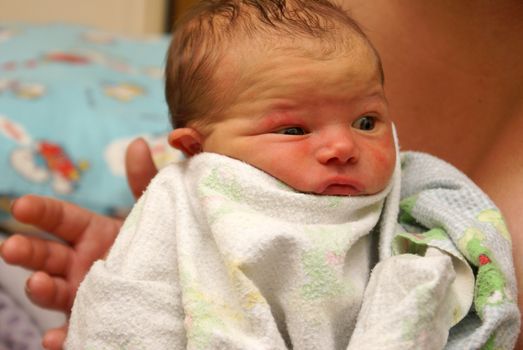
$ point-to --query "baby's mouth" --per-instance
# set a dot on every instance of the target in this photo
(341, 190)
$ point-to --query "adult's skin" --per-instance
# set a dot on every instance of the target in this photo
(454, 81)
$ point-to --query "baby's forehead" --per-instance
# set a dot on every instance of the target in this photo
(340, 40)
(305, 60)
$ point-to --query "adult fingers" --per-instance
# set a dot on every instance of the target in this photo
(36, 254)
(139, 166)
(16, 250)
(49, 292)
(62, 219)
(54, 338)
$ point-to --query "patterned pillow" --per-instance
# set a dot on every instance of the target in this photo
(71, 99)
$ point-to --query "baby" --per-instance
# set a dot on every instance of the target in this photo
(265, 237)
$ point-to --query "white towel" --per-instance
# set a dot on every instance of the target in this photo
(220, 255)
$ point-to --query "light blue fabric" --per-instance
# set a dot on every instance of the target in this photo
(82, 91)
(442, 208)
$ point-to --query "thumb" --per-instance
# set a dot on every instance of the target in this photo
(139, 166)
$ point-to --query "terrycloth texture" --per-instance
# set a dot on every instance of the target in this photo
(442, 208)
(411, 302)
(440, 211)
(218, 255)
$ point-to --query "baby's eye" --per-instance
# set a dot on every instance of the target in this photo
(366, 123)
(292, 131)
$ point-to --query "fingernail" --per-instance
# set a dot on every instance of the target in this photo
(26, 288)
(12, 204)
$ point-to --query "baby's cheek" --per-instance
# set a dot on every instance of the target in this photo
(290, 164)
(384, 161)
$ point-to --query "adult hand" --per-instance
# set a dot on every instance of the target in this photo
(59, 268)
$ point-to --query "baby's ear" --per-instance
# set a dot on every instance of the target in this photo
(187, 140)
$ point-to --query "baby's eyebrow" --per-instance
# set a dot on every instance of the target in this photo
(284, 105)
(279, 117)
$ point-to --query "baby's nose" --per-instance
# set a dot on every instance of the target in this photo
(338, 148)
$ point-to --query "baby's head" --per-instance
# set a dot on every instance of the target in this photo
(293, 88)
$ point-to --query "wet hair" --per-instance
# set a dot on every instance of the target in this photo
(203, 35)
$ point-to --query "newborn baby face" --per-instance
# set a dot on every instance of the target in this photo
(319, 125)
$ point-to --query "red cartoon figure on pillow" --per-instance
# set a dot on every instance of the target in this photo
(41, 161)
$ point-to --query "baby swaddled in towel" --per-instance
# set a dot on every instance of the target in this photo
(267, 239)
(219, 255)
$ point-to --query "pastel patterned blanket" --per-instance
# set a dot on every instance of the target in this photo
(219, 255)
(441, 208)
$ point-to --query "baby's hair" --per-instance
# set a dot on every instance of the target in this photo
(203, 35)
